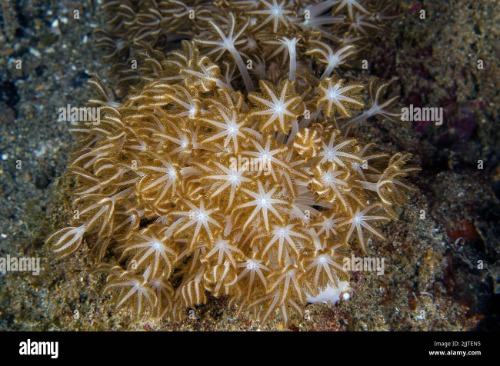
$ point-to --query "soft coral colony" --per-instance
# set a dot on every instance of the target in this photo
(166, 195)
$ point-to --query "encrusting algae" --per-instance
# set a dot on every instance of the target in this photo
(229, 167)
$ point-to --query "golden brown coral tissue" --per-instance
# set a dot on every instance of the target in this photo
(220, 172)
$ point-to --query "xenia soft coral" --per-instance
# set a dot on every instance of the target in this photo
(200, 189)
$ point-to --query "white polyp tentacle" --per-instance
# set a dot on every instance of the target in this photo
(242, 68)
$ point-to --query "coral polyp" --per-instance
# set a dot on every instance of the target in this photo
(209, 179)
